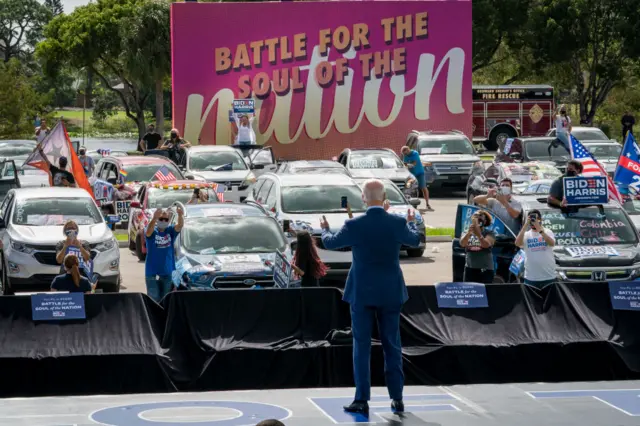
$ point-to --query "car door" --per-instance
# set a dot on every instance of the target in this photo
(4, 218)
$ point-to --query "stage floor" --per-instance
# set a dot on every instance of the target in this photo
(584, 404)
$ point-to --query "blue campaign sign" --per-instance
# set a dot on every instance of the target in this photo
(57, 306)
(582, 190)
(332, 407)
(497, 225)
(517, 263)
(243, 106)
(251, 413)
(461, 295)
(625, 400)
(625, 295)
(281, 271)
(231, 116)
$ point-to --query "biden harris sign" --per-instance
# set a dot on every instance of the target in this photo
(586, 190)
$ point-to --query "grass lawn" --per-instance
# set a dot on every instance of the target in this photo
(76, 114)
(432, 232)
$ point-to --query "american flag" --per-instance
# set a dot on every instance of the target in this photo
(164, 175)
(591, 167)
(219, 189)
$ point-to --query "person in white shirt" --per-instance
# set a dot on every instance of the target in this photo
(563, 126)
(537, 244)
(246, 135)
(42, 131)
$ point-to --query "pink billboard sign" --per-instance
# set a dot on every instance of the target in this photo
(324, 75)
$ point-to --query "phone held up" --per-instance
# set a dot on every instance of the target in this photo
(286, 225)
(343, 202)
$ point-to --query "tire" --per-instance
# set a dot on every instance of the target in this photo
(5, 285)
(110, 288)
(132, 243)
(141, 256)
(497, 135)
(415, 252)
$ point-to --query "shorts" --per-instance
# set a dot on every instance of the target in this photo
(422, 182)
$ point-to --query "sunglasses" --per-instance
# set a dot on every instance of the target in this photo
(163, 219)
(70, 231)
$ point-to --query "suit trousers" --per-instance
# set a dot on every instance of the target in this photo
(362, 319)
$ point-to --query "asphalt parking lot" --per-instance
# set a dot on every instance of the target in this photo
(432, 267)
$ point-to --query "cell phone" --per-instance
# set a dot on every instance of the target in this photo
(286, 225)
(196, 192)
(343, 202)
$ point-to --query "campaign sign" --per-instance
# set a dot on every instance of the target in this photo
(589, 251)
(496, 226)
(625, 296)
(461, 295)
(281, 271)
(581, 190)
(517, 263)
(243, 106)
(57, 306)
(122, 209)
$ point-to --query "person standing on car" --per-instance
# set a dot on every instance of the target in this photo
(502, 204)
(627, 121)
(160, 262)
(176, 146)
(556, 192)
(306, 262)
(150, 140)
(88, 165)
(563, 126)
(478, 244)
(411, 158)
(246, 135)
(537, 244)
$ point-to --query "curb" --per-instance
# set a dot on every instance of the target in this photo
(439, 239)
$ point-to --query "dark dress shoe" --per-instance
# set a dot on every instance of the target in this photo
(397, 406)
(358, 407)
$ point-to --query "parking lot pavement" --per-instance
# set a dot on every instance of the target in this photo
(435, 266)
(445, 206)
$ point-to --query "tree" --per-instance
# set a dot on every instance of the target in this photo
(21, 103)
(91, 38)
(54, 6)
(21, 25)
(590, 39)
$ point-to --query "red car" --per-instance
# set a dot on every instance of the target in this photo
(152, 196)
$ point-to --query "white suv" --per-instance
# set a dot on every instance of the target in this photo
(31, 222)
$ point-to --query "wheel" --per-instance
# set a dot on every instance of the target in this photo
(498, 136)
(111, 288)
(415, 252)
(132, 243)
(141, 256)
(5, 286)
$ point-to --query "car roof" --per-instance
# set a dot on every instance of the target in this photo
(184, 182)
(586, 128)
(51, 192)
(372, 150)
(223, 148)
(440, 134)
(222, 209)
(535, 139)
(139, 159)
(303, 164)
(313, 179)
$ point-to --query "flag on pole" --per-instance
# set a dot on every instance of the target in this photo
(164, 175)
(219, 189)
(628, 170)
(56, 145)
(592, 167)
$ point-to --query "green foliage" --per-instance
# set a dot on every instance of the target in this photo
(54, 6)
(21, 103)
(21, 25)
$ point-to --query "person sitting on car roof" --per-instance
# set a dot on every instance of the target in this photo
(176, 146)
(556, 192)
(502, 204)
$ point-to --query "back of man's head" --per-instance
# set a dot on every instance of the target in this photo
(270, 422)
(373, 192)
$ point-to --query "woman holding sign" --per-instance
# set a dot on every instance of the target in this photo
(478, 243)
(71, 280)
(71, 245)
(246, 135)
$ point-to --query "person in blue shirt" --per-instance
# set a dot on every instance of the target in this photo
(411, 159)
(160, 262)
(71, 280)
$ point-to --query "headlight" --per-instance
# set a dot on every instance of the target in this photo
(107, 245)
(251, 178)
(21, 247)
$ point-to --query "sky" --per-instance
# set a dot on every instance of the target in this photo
(69, 5)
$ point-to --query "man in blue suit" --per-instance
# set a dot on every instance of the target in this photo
(375, 289)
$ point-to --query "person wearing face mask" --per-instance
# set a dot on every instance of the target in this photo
(176, 146)
(246, 135)
(199, 197)
(563, 126)
(72, 245)
(502, 204)
(88, 165)
(478, 243)
(71, 280)
(160, 262)
(556, 192)
(537, 244)
(150, 140)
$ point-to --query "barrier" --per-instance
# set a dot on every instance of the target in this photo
(268, 339)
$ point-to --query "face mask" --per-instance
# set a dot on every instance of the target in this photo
(82, 153)
(72, 233)
(505, 190)
(174, 135)
(571, 173)
(162, 225)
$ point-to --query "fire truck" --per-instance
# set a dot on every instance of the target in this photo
(502, 112)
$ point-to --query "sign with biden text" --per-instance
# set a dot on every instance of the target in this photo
(583, 190)
(324, 75)
(244, 106)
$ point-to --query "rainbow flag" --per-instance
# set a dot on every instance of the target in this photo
(123, 173)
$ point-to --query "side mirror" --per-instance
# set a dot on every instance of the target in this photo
(257, 166)
(243, 199)
(135, 204)
(515, 156)
(190, 176)
(415, 202)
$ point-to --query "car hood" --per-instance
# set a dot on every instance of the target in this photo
(626, 256)
(391, 174)
(401, 210)
(450, 158)
(311, 222)
(222, 177)
(51, 235)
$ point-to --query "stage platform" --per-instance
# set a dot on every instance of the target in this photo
(584, 403)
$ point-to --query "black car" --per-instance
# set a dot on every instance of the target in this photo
(523, 150)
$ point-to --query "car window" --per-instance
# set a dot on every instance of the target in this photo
(159, 198)
(374, 160)
(531, 189)
(605, 152)
(255, 188)
(146, 172)
(539, 150)
(272, 197)
(590, 226)
(632, 206)
(593, 134)
(5, 206)
(394, 195)
(492, 172)
(321, 198)
(209, 160)
(56, 212)
(449, 146)
(264, 191)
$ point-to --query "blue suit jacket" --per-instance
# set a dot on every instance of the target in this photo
(375, 238)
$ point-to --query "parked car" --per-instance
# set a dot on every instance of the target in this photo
(375, 163)
(224, 165)
(312, 166)
(604, 230)
(584, 134)
(10, 149)
(31, 222)
(153, 196)
(448, 157)
(607, 153)
(537, 187)
(99, 154)
(258, 155)
(28, 176)
(524, 150)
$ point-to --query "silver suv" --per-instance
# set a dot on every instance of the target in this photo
(448, 157)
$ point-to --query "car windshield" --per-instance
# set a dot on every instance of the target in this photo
(15, 151)
(605, 152)
(199, 161)
(315, 170)
(593, 134)
(538, 188)
(632, 207)
(56, 212)
(233, 234)
(449, 146)
(257, 156)
(542, 171)
(395, 197)
(374, 160)
(539, 150)
(146, 172)
(321, 198)
(159, 198)
(590, 226)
